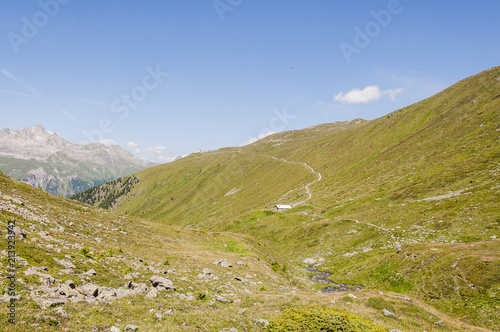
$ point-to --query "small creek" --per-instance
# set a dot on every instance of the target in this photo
(335, 288)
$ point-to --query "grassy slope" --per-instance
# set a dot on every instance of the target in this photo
(382, 185)
(120, 244)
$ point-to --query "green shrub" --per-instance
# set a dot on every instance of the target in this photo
(85, 251)
(319, 318)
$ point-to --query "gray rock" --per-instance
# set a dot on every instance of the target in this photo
(152, 293)
(89, 290)
(131, 327)
(65, 262)
(310, 261)
(70, 283)
(388, 313)
(19, 232)
(60, 311)
(48, 302)
(222, 299)
(114, 329)
(91, 272)
(223, 263)
(66, 291)
(6, 298)
(107, 295)
(439, 323)
(161, 283)
(206, 271)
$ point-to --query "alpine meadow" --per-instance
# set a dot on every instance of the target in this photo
(249, 166)
(405, 205)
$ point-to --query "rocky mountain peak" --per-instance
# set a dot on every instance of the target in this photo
(44, 159)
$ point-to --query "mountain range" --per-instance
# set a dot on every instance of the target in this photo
(45, 160)
(393, 225)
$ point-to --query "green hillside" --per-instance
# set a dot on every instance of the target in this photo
(405, 203)
(79, 268)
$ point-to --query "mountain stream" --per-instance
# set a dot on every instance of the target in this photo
(334, 288)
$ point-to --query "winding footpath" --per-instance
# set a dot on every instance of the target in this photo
(306, 186)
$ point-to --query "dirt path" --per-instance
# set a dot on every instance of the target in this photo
(306, 186)
(373, 225)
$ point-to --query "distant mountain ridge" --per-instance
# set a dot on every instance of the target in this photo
(45, 160)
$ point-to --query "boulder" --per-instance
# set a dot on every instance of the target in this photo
(152, 293)
(221, 299)
(107, 295)
(48, 302)
(309, 261)
(19, 233)
(89, 290)
(90, 272)
(223, 263)
(60, 311)
(388, 313)
(161, 283)
(439, 323)
(131, 327)
(65, 262)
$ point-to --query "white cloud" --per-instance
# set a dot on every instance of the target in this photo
(156, 149)
(255, 139)
(108, 141)
(164, 160)
(132, 144)
(392, 93)
(368, 94)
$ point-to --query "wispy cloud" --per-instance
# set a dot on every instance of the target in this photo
(8, 92)
(132, 144)
(255, 139)
(163, 160)
(154, 149)
(108, 142)
(366, 95)
(94, 102)
(32, 91)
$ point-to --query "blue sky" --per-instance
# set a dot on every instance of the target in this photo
(165, 78)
